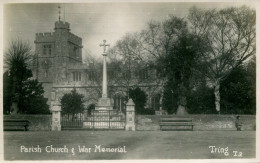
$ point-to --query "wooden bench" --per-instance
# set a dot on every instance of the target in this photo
(16, 125)
(171, 124)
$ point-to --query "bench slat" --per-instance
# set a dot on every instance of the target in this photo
(180, 123)
(177, 125)
(177, 118)
(16, 120)
(165, 129)
(16, 124)
(176, 122)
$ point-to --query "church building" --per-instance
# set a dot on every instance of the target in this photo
(59, 67)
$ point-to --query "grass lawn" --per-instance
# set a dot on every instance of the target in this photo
(138, 145)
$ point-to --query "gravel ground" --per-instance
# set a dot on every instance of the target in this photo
(129, 145)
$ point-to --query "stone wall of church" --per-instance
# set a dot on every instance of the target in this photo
(75, 39)
(47, 92)
(59, 71)
(93, 93)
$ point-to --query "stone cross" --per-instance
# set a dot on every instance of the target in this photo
(105, 45)
(104, 84)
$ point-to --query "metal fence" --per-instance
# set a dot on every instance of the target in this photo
(105, 119)
(69, 121)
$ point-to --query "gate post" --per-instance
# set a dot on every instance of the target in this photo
(56, 113)
(130, 116)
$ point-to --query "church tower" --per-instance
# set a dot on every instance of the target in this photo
(54, 52)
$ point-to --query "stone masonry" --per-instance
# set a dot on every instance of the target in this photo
(59, 67)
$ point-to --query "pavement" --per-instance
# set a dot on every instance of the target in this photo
(121, 145)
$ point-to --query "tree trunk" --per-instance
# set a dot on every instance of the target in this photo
(217, 95)
(182, 101)
(14, 105)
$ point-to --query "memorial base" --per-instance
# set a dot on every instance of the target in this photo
(104, 103)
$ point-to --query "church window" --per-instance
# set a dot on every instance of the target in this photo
(76, 76)
(46, 49)
(92, 75)
(143, 74)
(75, 52)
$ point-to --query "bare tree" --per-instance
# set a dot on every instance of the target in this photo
(126, 57)
(158, 47)
(229, 40)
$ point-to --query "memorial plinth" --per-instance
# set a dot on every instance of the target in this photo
(104, 103)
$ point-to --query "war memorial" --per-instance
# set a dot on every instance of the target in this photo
(110, 127)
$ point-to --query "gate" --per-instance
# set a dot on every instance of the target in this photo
(105, 119)
(68, 121)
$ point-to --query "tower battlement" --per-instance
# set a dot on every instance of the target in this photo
(46, 36)
(62, 25)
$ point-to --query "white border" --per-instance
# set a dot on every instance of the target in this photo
(254, 2)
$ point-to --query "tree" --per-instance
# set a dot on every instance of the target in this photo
(72, 103)
(126, 57)
(21, 95)
(33, 101)
(229, 40)
(16, 60)
(170, 97)
(201, 99)
(172, 49)
(167, 48)
(7, 86)
(179, 65)
(240, 86)
(139, 97)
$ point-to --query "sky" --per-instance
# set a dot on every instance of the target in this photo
(93, 22)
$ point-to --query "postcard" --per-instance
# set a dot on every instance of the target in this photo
(134, 81)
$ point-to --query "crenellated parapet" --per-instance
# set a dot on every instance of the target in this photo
(44, 37)
(62, 25)
(75, 39)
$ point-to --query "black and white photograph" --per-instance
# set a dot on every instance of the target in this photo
(129, 81)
